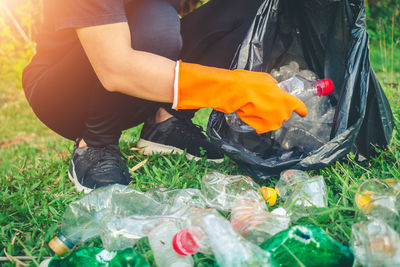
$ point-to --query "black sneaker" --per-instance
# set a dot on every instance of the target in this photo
(96, 167)
(177, 135)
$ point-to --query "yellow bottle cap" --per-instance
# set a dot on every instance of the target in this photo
(269, 195)
(58, 246)
(363, 199)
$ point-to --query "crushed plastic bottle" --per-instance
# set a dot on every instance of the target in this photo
(375, 244)
(298, 86)
(120, 232)
(98, 257)
(368, 191)
(160, 239)
(308, 75)
(208, 232)
(311, 132)
(305, 89)
(393, 184)
(286, 71)
(297, 136)
(377, 199)
(222, 190)
(193, 238)
(251, 219)
(307, 246)
(121, 215)
(394, 190)
(301, 192)
(308, 133)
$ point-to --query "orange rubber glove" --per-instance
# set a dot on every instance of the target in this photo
(254, 96)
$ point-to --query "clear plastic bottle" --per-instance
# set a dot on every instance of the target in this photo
(379, 199)
(82, 219)
(160, 239)
(394, 185)
(193, 238)
(222, 190)
(298, 86)
(305, 89)
(208, 232)
(375, 243)
(121, 215)
(251, 219)
(301, 192)
(394, 190)
(286, 71)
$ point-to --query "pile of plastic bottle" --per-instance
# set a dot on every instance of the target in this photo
(231, 218)
(376, 240)
(306, 134)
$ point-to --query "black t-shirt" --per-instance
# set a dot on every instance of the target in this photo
(69, 14)
(58, 35)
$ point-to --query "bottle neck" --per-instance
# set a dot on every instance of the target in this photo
(319, 87)
(324, 86)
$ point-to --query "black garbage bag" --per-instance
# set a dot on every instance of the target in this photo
(328, 37)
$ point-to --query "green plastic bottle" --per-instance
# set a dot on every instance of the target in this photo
(307, 246)
(98, 257)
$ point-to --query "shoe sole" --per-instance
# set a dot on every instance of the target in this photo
(74, 179)
(150, 148)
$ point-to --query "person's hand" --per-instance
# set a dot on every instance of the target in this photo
(254, 96)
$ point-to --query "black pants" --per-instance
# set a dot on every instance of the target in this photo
(69, 98)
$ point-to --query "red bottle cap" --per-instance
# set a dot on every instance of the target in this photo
(326, 86)
(184, 243)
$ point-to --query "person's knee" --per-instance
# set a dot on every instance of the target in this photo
(155, 28)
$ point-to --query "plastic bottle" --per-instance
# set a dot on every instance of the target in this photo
(160, 240)
(208, 232)
(121, 215)
(286, 71)
(252, 220)
(301, 192)
(394, 190)
(375, 243)
(297, 86)
(222, 190)
(379, 199)
(241, 196)
(307, 246)
(393, 184)
(368, 191)
(98, 257)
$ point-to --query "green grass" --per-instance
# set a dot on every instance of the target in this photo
(34, 189)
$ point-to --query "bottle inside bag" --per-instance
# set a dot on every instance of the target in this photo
(297, 86)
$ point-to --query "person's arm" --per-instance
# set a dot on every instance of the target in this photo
(123, 69)
(254, 96)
